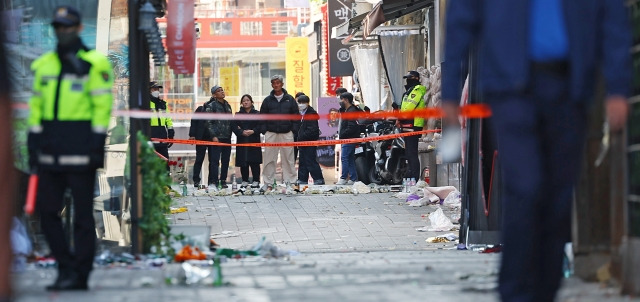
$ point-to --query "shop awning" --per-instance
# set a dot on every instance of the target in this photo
(384, 11)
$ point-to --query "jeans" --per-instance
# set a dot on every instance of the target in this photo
(348, 160)
(219, 154)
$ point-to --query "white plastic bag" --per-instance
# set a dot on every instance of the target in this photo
(439, 222)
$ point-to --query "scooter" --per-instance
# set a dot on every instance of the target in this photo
(388, 163)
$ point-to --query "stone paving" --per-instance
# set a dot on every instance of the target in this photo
(352, 248)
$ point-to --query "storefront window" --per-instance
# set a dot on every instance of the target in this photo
(238, 71)
(220, 28)
(253, 28)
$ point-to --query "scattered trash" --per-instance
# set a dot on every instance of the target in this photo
(443, 238)
(439, 222)
(492, 249)
(461, 247)
(267, 249)
(360, 187)
(20, 245)
(412, 197)
(453, 200)
(603, 273)
(178, 210)
(421, 184)
(188, 253)
(401, 195)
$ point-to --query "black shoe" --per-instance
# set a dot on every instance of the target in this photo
(224, 184)
(196, 185)
(68, 281)
(318, 182)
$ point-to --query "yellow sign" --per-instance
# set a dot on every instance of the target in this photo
(298, 70)
(229, 80)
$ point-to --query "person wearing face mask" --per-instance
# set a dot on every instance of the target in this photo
(308, 131)
(70, 109)
(161, 126)
(412, 99)
(348, 129)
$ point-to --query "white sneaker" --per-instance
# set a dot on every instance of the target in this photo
(350, 182)
(244, 184)
(255, 184)
(341, 182)
(212, 188)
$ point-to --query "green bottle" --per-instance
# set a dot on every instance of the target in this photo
(219, 184)
(275, 185)
(218, 268)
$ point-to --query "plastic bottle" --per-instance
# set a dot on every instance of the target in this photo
(405, 187)
(413, 181)
(234, 185)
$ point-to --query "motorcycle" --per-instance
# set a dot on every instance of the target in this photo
(381, 162)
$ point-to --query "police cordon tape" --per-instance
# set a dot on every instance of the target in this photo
(467, 111)
(297, 144)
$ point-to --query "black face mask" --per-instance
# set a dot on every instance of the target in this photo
(412, 82)
(342, 105)
(66, 38)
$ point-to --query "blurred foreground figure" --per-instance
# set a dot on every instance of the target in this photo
(8, 184)
(536, 68)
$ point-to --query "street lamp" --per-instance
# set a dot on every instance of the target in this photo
(147, 17)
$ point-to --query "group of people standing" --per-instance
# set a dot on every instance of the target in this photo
(248, 130)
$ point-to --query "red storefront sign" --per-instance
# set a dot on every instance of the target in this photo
(181, 36)
(332, 82)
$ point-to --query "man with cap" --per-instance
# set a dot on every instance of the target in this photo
(70, 109)
(220, 131)
(161, 126)
(412, 99)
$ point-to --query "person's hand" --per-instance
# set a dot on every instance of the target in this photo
(451, 112)
(215, 139)
(617, 112)
(249, 132)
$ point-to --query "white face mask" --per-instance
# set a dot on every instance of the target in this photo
(302, 107)
(155, 94)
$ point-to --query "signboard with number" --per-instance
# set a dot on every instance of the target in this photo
(339, 11)
(297, 64)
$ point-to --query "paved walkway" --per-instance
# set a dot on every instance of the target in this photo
(352, 248)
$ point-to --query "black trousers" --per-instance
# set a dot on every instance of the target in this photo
(51, 188)
(255, 171)
(201, 151)
(309, 164)
(163, 149)
(411, 151)
(219, 162)
(541, 135)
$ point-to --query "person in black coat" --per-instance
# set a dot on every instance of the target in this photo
(248, 131)
(199, 131)
(308, 131)
(348, 129)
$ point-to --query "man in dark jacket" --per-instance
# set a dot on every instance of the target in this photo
(220, 131)
(279, 102)
(348, 129)
(309, 131)
(199, 131)
(538, 63)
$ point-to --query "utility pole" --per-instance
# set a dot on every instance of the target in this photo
(138, 99)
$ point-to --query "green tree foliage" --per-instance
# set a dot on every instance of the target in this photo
(156, 202)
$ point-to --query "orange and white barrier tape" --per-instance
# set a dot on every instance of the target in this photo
(297, 144)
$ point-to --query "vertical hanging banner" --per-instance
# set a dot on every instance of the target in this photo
(181, 36)
(230, 80)
(332, 83)
(339, 11)
(297, 64)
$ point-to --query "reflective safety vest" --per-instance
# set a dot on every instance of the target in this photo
(67, 108)
(412, 100)
(158, 118)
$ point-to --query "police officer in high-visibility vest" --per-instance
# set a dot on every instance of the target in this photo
(161, 125)
(412, 99)
(69, 113)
